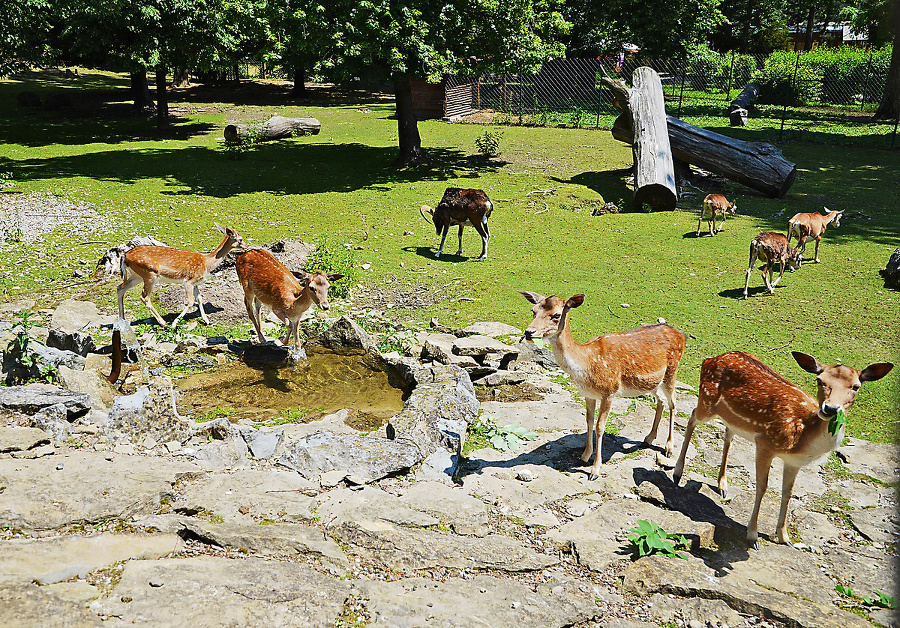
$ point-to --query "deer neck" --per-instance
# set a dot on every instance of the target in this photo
(563, 344)
(217, 256)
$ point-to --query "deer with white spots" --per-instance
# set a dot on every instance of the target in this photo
(628, 364)
(783, 421)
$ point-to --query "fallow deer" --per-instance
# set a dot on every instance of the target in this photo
(152, 264)
(782, 420)
(630, 363)
(461, 207)
(770, 247)
(267, 281)
(812, 225)
(715, 205)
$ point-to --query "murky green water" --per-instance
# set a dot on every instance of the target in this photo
(327, 383)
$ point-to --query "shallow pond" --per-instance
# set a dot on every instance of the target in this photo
(326, 383)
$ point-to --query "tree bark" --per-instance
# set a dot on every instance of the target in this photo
(889, 107)
(654, 172)
(181, 78)
(275, 128)
(140, 91)
(411, 151)
(299, 88)
(162, 102)
(810, 22)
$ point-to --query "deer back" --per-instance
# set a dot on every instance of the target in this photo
(270, 281)
(166, 262)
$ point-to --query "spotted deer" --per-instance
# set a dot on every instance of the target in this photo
(152, 264)
(266, 281)
(629, 363)
(715, 205)
(772, 248)
(780, 418)
(812, 225)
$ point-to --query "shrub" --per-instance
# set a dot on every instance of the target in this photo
(331, 258)
(708, 69)
(488, 143)
(783, 82)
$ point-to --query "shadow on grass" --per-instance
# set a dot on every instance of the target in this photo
(428, 252)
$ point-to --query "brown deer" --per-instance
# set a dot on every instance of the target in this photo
(715, 205)
(782, 420)
(629, 363)
(812, 225)
(267, 281)
(461, 207)
(770, 248)
(152, 264)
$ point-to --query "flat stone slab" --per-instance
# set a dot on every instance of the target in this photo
(693, 578)
(21, 438)
(492, 329)
(878, 460)
(876, 524)
(452, 505)
(89, 488)
(29, 605)
(72, 315)
(369, 504)
(277, 539)
(481, 345)
(249, 495)
(56, 559)
(27, 400)
(513, 496)
(476, 603)
(404, 548)
(213, 592)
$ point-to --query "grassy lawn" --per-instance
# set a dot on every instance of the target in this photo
(544, 186)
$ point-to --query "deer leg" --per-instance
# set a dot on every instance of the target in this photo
(127, 285)
(753, 255)
(726, 448)
(801, 243)
(602, 416)
(783, 264)
(444, 233)
(459, 250)
(189, 293)
(482, 229)
(589, 405)
(789, 475)
(763, 464)
(699, 222)
(688, 432)
(651, 435)
(200, 304)
(257, 319)
(145, 298)
(668, 394)
(819, 239)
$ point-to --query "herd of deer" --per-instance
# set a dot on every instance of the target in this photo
(752, 400)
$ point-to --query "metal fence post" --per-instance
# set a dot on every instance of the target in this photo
(894, 136)
(730, 77)
(681, 95)
(862, 102)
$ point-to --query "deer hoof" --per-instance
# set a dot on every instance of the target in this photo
(676, 478)
(594, 476)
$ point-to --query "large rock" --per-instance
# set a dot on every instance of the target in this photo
(366, 457)
(211, 592)
(88, 488)
(24, 401)
(779, 577)
(405, 548)
(57, 559)
(346, 336)
(29, 606)
(492, 329)
(76, 342)
(370, 504)
(452, 505)
(52, 420)
(91, 383)
(148, 412)
(476, 603)
(73, 316)
(481, 346)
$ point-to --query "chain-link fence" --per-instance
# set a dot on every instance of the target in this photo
(827, 95)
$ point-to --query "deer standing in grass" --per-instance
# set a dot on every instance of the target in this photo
(266, 281)
(770, 248)
(629, 363)
(782, 420)
(812, 225)
(461, 207)
(152, 264)
(715, 205)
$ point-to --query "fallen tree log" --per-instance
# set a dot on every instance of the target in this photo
(654, 171)
(740, 106)
(275, 128)
(757, 165)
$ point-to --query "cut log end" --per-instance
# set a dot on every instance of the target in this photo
(658, 196)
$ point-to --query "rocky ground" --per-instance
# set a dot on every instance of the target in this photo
(115, 510)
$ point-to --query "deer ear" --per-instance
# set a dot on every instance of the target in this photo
(808, 363)
(333, 276)
(221, 228)
(301, 276)
(575, 301)
(875, 372)
(533, 297)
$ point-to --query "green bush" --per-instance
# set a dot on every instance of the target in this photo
(328, 257)
(708, 69)
(782, 81)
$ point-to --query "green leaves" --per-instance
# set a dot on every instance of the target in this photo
(648, 538)
(504, 437)
(883, 601)
(837, 422)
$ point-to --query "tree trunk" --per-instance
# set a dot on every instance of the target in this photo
(162, 102)
(181, 78)
(275, 128)
(299, 89)
(810, 21)
(889, 107)
(411, 151)
(654, 172)
(140, 91)
(745, 27)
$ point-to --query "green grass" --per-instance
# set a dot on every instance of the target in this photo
(339, 184)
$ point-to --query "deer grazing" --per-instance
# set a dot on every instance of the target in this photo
(782, 420)
(152, 264)
(812, 225)
(715, 205)
(461, 207)
(628, 364)
(267, 281)
(770, 248)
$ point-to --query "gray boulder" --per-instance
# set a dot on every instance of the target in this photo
(27, 400)
(346, 336)
(148, 412)
(53, 420)
(76, 342)
(72, 316)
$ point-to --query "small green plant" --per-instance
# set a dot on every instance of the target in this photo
(504, 437)
(648, 538)
(216, 413)
(488, 143)
(290, 415)
(576, 116)
(19, 345)
(328, 257)
(883, 601)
